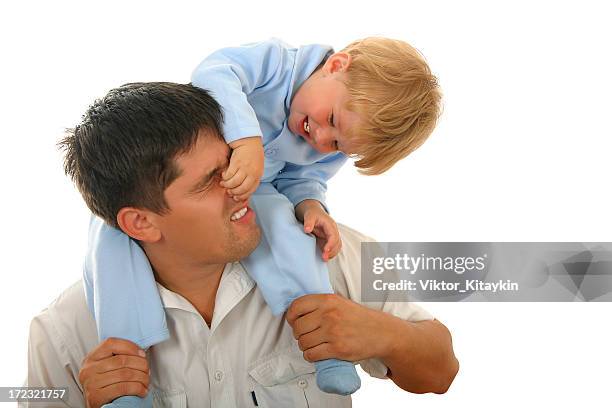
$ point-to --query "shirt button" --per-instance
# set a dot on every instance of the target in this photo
(271, 152)
(218, 375)
(302, 383)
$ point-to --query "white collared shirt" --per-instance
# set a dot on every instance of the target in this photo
(247, 354)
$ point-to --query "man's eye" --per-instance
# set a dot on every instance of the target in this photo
(205, 189)
(215, 179)
(331, 118)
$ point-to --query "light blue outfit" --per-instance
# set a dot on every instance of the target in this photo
(254, 84)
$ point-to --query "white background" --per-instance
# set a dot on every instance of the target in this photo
(522, 153)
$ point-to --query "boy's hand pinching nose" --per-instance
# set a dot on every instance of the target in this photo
(245, 169)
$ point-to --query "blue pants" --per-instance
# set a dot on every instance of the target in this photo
(122, 294)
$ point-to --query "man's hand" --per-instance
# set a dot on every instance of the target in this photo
(113, 369)
(245, 168)
(318, 222)
(331, 326)
(419, 355)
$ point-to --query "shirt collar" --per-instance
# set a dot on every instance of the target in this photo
(307, 59)
(234, 285)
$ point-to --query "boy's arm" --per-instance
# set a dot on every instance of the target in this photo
(231, 74)
(309, 182)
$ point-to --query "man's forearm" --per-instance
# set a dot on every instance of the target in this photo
(420, 355)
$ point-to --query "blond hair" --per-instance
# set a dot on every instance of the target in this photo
(397, 97)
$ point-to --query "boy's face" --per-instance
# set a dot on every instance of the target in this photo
(318, 112)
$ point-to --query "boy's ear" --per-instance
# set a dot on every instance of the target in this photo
(138, 224)
(338, 62)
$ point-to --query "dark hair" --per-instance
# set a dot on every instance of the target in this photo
(122, 153)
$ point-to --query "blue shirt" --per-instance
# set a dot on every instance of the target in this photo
(254, 84)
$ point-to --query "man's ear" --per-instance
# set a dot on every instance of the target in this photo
(338, 62)
(138, 224)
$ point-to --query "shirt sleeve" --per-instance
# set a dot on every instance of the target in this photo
(50, 364)
(345, 276)
(231, 74)
(299, 183)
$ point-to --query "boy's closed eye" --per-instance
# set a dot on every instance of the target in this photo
(330, 119)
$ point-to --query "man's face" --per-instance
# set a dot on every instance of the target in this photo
(204, 225)
(318, 113)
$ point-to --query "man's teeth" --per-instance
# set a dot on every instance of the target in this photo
(306, 126)
(238, 214)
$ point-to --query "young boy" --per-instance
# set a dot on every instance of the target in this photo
(291, 117)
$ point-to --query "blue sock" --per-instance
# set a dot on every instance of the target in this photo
(337, 376)
(131, 401)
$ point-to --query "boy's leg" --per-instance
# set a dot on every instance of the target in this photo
(287, 265)
(120, 288)
(122, 294)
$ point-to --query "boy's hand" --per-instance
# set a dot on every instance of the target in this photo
(318, 222)
(245, 168)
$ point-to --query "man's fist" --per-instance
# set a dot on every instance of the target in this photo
(113, 369)
(331, 326)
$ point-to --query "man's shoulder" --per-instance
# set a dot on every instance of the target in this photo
(345, 268)
(68, 318)
(345, 277)
(354, 235)
(60, 337)
(71, 303)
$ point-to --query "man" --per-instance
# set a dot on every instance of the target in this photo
(147, 158)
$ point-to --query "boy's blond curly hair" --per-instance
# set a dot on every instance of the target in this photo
(392, 89)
